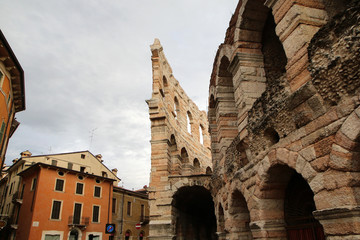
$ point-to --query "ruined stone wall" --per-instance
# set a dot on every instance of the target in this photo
(284, 105)
(180, 145)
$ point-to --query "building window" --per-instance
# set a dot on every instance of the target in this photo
(54, 162)
(33, 184)
(77, 213)
(79, 188)
(11, 188)
(96, 214)
(104, 174)
(52, 237)
(59, 185)
(70, 166)
(97, 191)
(128, 208)
(113, 205)
(82, 156)
(82, 169)
(142, 213)
(56, 208)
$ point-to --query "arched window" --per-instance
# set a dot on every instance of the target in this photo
(189, 122)
(201, 136)
(184, 156)
(196, 164)
(176, 107)
(165, 82)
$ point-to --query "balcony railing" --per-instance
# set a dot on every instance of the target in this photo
(78, 222)
(144, 220)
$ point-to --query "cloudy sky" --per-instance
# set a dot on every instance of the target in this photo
(88, 72)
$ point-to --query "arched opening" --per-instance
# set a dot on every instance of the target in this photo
(127, 234)
(271, 136)
(196, 165)
(208, 170)
(275, 59)
(221, 220)
(212, 102)
(184, 156)
(201, 136)
(165, 82)
(176, 107)
(288, 198)
(193, 211)
(189, 122)
(173, 145)
(298, 208)
(226, 111)
(74, 234)
(241, 148)
(240, 216)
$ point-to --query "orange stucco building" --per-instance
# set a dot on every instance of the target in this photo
(59, 203)
(12, 94)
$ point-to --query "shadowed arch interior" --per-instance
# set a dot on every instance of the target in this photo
(193, 211)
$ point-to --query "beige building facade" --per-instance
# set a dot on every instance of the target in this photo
(130, 209)
(284, 124)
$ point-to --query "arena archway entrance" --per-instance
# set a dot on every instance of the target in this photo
(194, 214)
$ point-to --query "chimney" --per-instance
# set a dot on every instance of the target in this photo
(114, 171)
(99, 157)
(26, 153)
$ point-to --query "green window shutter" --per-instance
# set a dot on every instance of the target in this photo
(2, 131)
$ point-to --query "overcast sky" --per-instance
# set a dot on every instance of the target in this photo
(88, 71)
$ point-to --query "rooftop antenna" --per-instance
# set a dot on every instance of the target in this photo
(91, 136)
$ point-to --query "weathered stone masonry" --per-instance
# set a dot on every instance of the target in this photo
(286, 126)
(284, 123)
(180, 147)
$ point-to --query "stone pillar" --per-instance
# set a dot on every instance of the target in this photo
(339, 222)
(249, 83)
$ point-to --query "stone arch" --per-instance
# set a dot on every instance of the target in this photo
(196, 164)
(345, 164)
(240, 217)
(271, 136)
(176, 111)
(189, 122)
(193, 213)
(184, 155)
(172, 143)
(208, 170)
(201, 134)
(165, 82)
(273, 196)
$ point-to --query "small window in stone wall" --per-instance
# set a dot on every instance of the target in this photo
(271, 136)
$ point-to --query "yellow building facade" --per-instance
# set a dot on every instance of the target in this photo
(130, 214)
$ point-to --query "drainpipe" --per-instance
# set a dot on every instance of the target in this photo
(122, 213)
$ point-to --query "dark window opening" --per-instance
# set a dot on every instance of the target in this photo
(79, 188)
(96, 212)
(59, 186)
(97, 191)
(55, 213)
